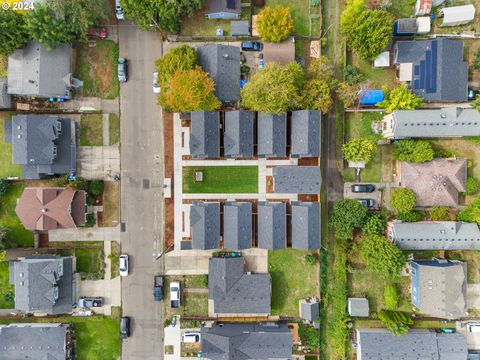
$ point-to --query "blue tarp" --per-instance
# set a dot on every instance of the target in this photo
(371, 97)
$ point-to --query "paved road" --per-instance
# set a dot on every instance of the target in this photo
(142, 181)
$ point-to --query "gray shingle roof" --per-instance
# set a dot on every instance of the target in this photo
(205, 134)
(5, 98)
(35, 71)
(37, 280)
(227, 6)
(34, 341)
(358, 307)
(435, 123)
(239, 28)
(309, 311)
(247, 341)
(222, 62)
(40, 147)
(439, 71)
(237, 225)
(272, 135)
(435, 235)
(235, 292)
(439, 288)
(380, 344)
(406, 26)
(296, 179)
(238, 135)
(205, 223)
(272, 226)
(305, 140)
(305, 225)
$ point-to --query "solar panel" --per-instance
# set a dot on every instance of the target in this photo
(423, 74)
(231, 4)
(433, 68)
(417, 70)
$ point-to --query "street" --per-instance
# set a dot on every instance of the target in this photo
(141, 192)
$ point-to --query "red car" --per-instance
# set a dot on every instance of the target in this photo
(97, 33)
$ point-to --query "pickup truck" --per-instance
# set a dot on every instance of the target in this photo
(175, 294)
(158, 287)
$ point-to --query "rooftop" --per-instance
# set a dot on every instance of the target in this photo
(358, 307)
(238, 134)
(237, 225)
(305, 225)
(205, 222)
(272, 135)
(272, 227)
(305, 133)
(296, 179)
(205, 134)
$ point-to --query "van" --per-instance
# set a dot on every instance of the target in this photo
(191, 337)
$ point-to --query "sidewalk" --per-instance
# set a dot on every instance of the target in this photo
(85, 234)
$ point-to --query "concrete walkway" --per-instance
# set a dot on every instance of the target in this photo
(173, 337)
(106, 129)
(231, 197)
(85, 104)
(85, 234)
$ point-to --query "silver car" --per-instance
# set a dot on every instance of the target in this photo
(156, 87)
(122, 70)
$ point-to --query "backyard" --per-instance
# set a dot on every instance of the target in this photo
(221, 179)
(300, 14)
(6, 289)
(91, 130)
(7, 169)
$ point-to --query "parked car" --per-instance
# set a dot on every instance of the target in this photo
(119, 13)
(158, 288)
(472, 94)
(156, 87)
(97, 33)
(191, 337)
(124, 327)
(122, 70)
(252, 46)
(363, 188)
(175, 294)
(369, 203)
(89, 302)
(123, 266)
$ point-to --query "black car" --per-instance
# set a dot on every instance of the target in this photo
(369, 203)
(472, 94)
(363, 188)
(124, 327)
(252, 46)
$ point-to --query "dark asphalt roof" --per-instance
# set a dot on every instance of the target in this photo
(205, 134)
(237, 225)
(305, 141)
(305, 225)
(5, 98)
(297, 179)
(272, 227)
(272, 135)
(238, 135)
(228, 6)
(205, 223)
(239, 28)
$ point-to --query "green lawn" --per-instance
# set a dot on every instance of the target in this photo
(292, 280)
(91, 130)
(114, 260)
(221, 179)
(7, 168)
(196, 281)
(6, 287)
(114, 128)
(374, 77)
(199, 25)
(191, 304)
(89, 258)
(299, 10)
(195, 304)
(402, 8)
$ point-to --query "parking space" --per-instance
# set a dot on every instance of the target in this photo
(376, 195)
(109, 290)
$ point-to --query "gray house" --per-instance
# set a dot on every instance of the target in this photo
(237, 225)
(238, 135)
(434, 235)
(5, 98)
(305, 225)
(381, 344)
(205, 134)
(44, 284)
(232, 292)
(296, 179)
(35, 71)
(43, 144)
(247, 341)
(222, 63)
(272, 135)
(223, 9)
(305, 133)
(36, 341)
(205, 225)
(272, 225)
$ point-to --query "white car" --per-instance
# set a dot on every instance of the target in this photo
(191, 337)
(119, 11)
(123, 267)
(175, 294)
(156, 87)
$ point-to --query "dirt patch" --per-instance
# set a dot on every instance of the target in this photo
(168, 163)
(100, 68)
(100, 219)
(111, 203)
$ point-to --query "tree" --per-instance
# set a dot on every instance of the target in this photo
(390, 296)
(189, 90)
(411, 216)
(359, 150)
(317, 95)
(275, 89)
(4, 186)
(439, 213)
(472, 186)
(403, 200)
(321, 69)
(374, 225)
(3, 238)
(380, 256)
(348, 94)
(347, 215)
(352, 75)
(95, 187)
(180, 58)
(397, 322)
(471, 213)
(275, 24)
(476, 61)
(47, 28)
(352, 11)
(13, 34)
(417, 151)
(401, 98)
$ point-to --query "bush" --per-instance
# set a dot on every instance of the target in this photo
(275, 24)
(390, 296)
(401, 98)
(439, 213)
(411, 216)
(476, 61)
(380, 256)
(359, 150)
(471, 213)
(95, 187)
(4, 186)
(90, 220)
(347, 215)
(417, 151)
(352, 75)
(374, 225)
(403, 200)
(472, 186)
(312, 259)
(396, 321)
(60, 181)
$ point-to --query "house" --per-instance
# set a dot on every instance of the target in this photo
(305, 225)
(305, 133)
(296, 179)
(434, 235)
(205, 225)
(439, 288)
(247, 341)
(36, 71)
(233, 292)
(223, 9)
(222, 63)
(431, 123)
(237, 225)
(309, 310)
(40, 341)
(238, 134)
(282, 52)
(272, 225)
(42, 209)
(381, 344)
(44, 284)
(434, 69)
(239, 28)
(405, 27)
(272, 135)
(5, 98)
(358, 307)
(205, 134)
(436, 182)
(44, 145)
(457, 15)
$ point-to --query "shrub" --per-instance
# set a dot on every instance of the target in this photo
(472, 186)
(417, 151)
(60, 181)
(471, 213)
(275, 24)
(95, 187)
(374, 225)
(352, 75)
(403, 200)
(359, 150)
(439, 213)
(411, 216)
(390, 296)
(347, 215)
(4, 186)
(401, 98)
(312, 259)
(90, 220)
(397, 322)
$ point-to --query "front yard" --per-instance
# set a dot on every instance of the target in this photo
(111, 203)
(7, 168)
(89, 257)
(91, 130)
(191, 303)
(221, 179)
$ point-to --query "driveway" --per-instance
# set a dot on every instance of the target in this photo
(98, 162)
(376, 196)
(85, 234)
(173, 338)
(473, 296)
(108, 289)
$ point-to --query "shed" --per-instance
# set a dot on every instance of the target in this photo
(382, 60)
(223, 9)
(358, 307)
(370, 97)
(309, 310)
(405, 27)
(239, 28)
(457, 15)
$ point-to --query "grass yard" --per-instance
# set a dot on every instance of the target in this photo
(7, 168)
(3, 65)
(111, 203)
(221, 179)
(402, 8)
(472, 258)
(114, 260)
(191, 304)
(91, 130)
(299, 9)
(292, 280)
(89, 258)
(6, 302)
(199, 25)
(196, 281)
(195, 304)
(114, 128)
(373, 77)
(97, 67)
